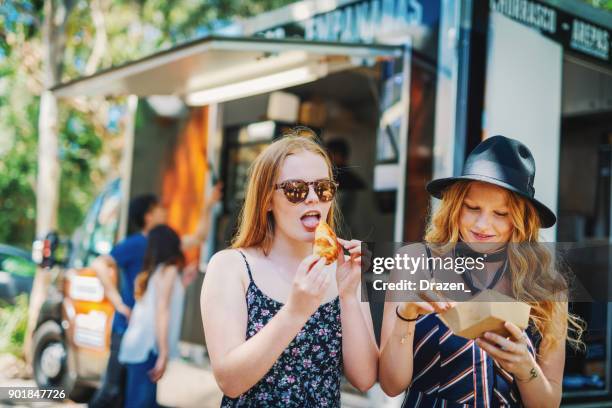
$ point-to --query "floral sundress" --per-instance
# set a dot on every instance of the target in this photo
(307, 374)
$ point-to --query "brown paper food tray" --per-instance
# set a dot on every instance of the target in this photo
(486, 312)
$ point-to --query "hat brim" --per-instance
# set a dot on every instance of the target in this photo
(436, 187)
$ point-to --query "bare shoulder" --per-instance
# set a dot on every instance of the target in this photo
(172, 270)
(226, 255)
(227, 264)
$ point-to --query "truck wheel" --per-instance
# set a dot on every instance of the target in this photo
(50, 363)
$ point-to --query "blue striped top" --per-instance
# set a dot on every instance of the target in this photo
(451, 371)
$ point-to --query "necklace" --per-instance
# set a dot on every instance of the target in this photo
(489, 258)
(467, 278)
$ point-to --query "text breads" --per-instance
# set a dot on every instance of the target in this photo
(326, 244)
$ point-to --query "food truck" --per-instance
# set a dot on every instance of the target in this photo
(410, 86)
(177, 157)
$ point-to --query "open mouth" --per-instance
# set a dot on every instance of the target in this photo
(310, 219)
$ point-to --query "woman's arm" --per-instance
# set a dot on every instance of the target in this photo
(195, 240)
(164, 293)
(395, 365)
(103, 266)
(359, 349)
(545, 389)
(237, 363)
(165, 284)
(396, 360)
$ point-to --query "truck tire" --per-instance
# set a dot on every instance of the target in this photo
(50, 363)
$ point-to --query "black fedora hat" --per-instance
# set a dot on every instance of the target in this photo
(504, 162)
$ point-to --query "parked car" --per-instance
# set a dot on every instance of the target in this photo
(17, 272)
(72, 336)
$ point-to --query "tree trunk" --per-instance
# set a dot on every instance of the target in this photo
(47, 188)
(48, 178)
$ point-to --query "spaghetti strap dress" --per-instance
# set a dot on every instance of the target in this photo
(307, 374)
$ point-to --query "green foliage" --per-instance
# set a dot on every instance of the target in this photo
(604, 4)
(18, 134)
(143, 27)
(13, 322)
(90, 134)
(80, 148)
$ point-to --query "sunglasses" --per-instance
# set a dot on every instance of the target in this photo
(296, 191)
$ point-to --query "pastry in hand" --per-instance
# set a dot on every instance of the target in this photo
(326, 244)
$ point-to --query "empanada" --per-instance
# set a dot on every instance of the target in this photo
(326, 244)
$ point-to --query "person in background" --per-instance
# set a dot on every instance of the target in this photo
(339, 153)
(125, 259)
(349, 182)
(152, 336)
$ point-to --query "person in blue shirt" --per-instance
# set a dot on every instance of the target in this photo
(126, 259)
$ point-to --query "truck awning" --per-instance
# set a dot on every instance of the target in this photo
(214, 63)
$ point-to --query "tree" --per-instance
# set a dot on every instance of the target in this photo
(53, 43)
(49, 41)
(44, 42)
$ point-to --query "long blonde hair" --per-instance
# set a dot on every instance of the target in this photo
(534, 277)
(256, 224)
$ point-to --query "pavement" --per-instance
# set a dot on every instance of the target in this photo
(184, 385)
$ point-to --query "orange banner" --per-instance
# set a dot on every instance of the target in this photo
(184, 179)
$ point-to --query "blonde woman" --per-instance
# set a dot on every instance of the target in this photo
(490, 207)
(281, 326)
